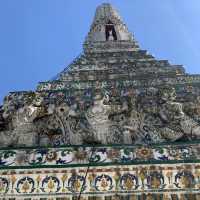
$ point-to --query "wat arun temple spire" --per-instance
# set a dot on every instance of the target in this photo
(108, 26)
(116, 123)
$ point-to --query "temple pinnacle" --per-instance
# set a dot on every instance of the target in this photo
(108, 25)
(108, 28)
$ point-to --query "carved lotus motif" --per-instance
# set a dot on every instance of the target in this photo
(51, 156)
(113, 154)
(80, 155)
(144, 153)
(21, 157)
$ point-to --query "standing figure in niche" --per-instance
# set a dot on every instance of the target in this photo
(133, 122)
(110, 37)
(110, 31)
(176, 122)
(149, 122)
(98, 118)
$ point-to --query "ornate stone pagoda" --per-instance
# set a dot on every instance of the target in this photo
(115, 124)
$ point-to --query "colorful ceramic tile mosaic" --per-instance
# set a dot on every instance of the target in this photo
(99, 155)
(101, 180)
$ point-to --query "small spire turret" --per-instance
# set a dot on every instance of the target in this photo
(108, 31)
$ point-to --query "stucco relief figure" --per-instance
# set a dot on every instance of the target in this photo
(133, 119)
(171, 114)
(113, 122)
(74, 125)
(64, 124)
(3, 123)
(51, 127)
(23, 132)
(149, 122)
(176, 122)
(98, 117)
(9, 109)
(192, 108)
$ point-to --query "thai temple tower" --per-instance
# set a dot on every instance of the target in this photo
(116, 124)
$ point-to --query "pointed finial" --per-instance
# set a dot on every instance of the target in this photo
(105, 12)
(107, 27)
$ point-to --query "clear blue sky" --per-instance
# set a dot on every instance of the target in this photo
(38, 38)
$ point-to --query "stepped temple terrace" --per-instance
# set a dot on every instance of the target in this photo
(116, 124)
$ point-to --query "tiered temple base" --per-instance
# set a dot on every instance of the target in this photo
(159, 172)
